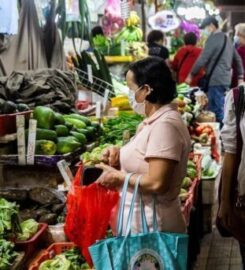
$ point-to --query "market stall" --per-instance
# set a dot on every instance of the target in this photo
(54, 126)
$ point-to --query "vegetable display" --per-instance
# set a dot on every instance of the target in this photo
(114, 128)
(41, 204)
(69, 260)
(188, 180)
(28, 229)
(9, 220)
(94, 157)
(7, 255)
(131, 32)
(8, 107)
(62, 134)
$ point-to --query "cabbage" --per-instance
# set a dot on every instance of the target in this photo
(29, 228)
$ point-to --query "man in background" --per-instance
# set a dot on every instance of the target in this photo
(217, 59)
(155, 42)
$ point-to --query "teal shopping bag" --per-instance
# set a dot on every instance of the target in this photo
(145, 251)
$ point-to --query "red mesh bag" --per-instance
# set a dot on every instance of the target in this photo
(88, 213)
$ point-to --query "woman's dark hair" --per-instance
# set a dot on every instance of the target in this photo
(240, 108)
(154, 36)
(97, 30)
(190, 39)
(154, 72)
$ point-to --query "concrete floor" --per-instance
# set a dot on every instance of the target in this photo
(218, 253)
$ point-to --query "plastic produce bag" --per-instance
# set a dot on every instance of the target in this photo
(88, 213)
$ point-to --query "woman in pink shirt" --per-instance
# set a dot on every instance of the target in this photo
(159, 150)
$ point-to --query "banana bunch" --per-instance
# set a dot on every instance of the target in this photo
(133, 19)
(139, 50)
(129, 34)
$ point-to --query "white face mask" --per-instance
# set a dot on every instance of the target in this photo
(236, 40)
(137, 107)
(206, 32)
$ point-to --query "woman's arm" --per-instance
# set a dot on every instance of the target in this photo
(159, 178)
(228, 173)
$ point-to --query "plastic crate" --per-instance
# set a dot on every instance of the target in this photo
(29, 246)
(194, 190)
(50, 252)
(8, 122)
(197, 159)
(186, 209)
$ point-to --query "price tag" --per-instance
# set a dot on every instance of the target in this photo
(105, 99)
(65, 172)
(31, 142)
(98, 110)
(21, 142)
(123, 47)
(90, 73)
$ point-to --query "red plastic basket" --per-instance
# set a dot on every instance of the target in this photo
(8, 122)
(50, 252)
(194, 190)
(32, 244)
(186, 209)
(197, 159)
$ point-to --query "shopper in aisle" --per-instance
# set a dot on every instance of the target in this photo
(97, 31)
(185, 58)
(233, 174)
(159, 150)
(240, 45)
(217, 58)
(155, 42)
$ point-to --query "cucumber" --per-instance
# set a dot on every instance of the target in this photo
(61, 130)
(45, 147)
(83, 131)
(80, 117)
(79, 136)
(91, 130)
(59, 119)
(75, 122)
(67, 144)
(44, 134)
(69, 125)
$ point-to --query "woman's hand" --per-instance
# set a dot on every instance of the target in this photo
(111, 178)
(225, 214)
(111, 156)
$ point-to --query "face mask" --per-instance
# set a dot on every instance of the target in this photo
(137, 107)
(206, 32)
(236, 40)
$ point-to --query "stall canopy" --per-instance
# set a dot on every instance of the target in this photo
(26, 50)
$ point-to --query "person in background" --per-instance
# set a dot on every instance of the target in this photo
(240, 46)
(155, 40)
(185, 58)
(158, 152)
(230, 168)
(220, 80)
(96, 31)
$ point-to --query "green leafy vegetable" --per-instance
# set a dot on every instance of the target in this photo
(29, 228)
(7, 254)
(9, 220)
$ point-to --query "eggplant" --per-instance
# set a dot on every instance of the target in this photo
(19, 195)
(42, 212)
(43, 196)
(50, 219)
(28, 214)
(9, 107)
(22, 107)
(58, 208)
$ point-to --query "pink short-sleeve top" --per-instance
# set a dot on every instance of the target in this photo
(163, 135)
